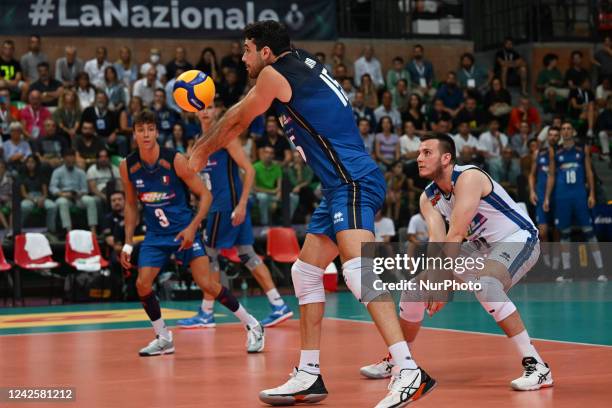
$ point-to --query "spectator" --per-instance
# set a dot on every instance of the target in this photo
(114, 89)
(248, 145)
(366, 135)
(582, 105)
(6, 196)
(11, 76)
(338, 54)
(16, 149)
(409, 143)
(165, 117)
(274, 138)
(466, 144)
(69, 185)
(510, 171)
(361, 111)
(126, 117)
(398, 71)
(438, 113)
(87, 145)
(384, 229)
(370, 94)
(178, 142)
(300, 176)
(473, 116)
(386, 143)
(102, 179)
(491, 144)
(400, 96)
(179, 61)
(49, 88)
(414, 114)
(557, 120)
(169, 89)
(85, 91)
(31, 59)
(113, 223)
(576, 73)
(106, 124)
(472, 76)
(68, 114)
(340, 72)
(208, 64)
(145, 87)
(234, 60)
(396, 182)
(510, 67)
(127, 71)
(550, 83)
(154, 62)
(50, 148)
(524, 112)
(603, 59)
(8, 113)
(602, 93)
(268, 181)
(95, 67)
(604, 128)
(421, 73)
(369, 64)
(230, 90)
(519, 141)
(33, 116)
(320, 56)
(348, 89)
(498, 101)
(35, 193)
(451, 95)
(67, 67)
(387, 109)
(417, 230)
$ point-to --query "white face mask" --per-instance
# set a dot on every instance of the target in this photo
(154, 59)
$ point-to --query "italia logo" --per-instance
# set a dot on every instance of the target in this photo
(434, 200)
(166, 180)
(156, 197)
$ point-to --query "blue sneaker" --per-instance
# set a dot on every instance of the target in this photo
(202, 319)
(279, 314)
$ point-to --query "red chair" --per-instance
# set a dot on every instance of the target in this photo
(73, 256)
(5, 267)
(231, 254)
(282, 245)
(23, 260)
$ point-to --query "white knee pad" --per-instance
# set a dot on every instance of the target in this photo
(213, 255)
(248, 257)
(494, 299)
(356, 271)
(307, 283)
(412, 312)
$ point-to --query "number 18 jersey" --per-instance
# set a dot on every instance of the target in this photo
(570, 175)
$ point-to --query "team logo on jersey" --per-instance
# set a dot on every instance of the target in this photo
(338, 217)
(434, 200)
(477, 222)
(139, 183)
(165, 180)
(153, 197)
(284, 120)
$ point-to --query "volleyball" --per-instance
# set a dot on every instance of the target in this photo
(193, 90)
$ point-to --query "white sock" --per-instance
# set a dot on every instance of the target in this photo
(274, 297)
(524, 346)
(546, 260)
(207, 305)
(391, 360)
(401, 355)
(555, 262)
(565, 260)
(597, 259)
(245, 317)
(309, 361)
(160, 328)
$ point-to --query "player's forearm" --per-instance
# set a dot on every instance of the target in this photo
(203, 206)
(131, 217)
(222, 132)
(249, 177)
(550, 184)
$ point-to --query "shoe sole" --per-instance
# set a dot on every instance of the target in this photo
(374, 376)
(279, 320)
(198, 326)
(169, 351)
(291, 399)
(259, 350)
(532, 388)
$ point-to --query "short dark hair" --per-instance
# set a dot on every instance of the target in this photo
(553, 128)
(548, 58)
(467, 55)
(447, 144)
(144, 117)
(69, 152)
(9, 42)
(99, 152)
(43, 64)
(576, 52)
(398, 59)
(269, 33)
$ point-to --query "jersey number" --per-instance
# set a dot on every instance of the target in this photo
(298, 148)
(334, 85)
(161, 216)
(570, 177)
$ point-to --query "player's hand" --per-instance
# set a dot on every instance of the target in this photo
(591, 201)
(186, 237)
(546, 205)
(238, 215)
(434, 307)
(124, 257)
(533, 197)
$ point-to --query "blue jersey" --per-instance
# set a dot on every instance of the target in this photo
(542, 164)
(164, 196)
(570, 172)
(319, 121)
(222, 177)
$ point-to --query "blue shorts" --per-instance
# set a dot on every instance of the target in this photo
(220, 233)
(155, 250)
(350, 206)
(572, 210)
(543, 217)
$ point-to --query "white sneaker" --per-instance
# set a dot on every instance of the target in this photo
(382, 369)
(255, 339)
(301, 387)
(562, 279)
(535, 376)
(602, 278)
(406, 386)
(158, 347)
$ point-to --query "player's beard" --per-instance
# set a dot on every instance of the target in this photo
(256, 67)
(436, 173)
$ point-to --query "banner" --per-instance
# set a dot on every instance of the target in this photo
(306, 19)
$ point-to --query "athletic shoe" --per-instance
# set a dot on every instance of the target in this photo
(535, 376)
(201, 319)
(406, 386)
(255, 339)
(562, 279)
(158, 347)
(279, 314)
(301, 387)
(602, 278)
(382, 369)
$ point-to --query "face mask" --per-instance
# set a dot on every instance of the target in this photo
(154, 59)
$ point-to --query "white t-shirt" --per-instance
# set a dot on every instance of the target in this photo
(460, 142)
(408, 144)
(418, 227)
(384, 228)
(491, 144)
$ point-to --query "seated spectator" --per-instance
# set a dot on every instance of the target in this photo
(370, 94)
(582, 107)
(11, 77)
(154, 63)
(275, 139)
(361, 111)
(321, 57)
(35, 193)
(417, 230)
(510, 170)
(85, 91)
(338, 54)
(87, 145)
(604, 129)
(6, 196)
(451, 95)
(145, 87)
(127, 70)
(340, 72)
(178, 141)
(414, 113)
(467, 145)
(386, 143)
(33, 116)
(106, 124)
(67, 67)
(95, 67)
(519, 141)
(114, 89)
(498, 101)
(230, 90)
(602, 92)
(208, 64)
(69, 185)
(30, 60)
(113, 228)
(471, 76)
(421, 73)
(248, 145)
(166, 118)
(438, 113)
(409, 143)
(102, 179)
(50, 148)
(473, 116)
(524, 112)
(576, 73)
(550, 83)
(400, 96)
(50, 89)
(302, 197)
(603, 59)
(557, 120)
(366, 135)
(387, 109)
(16, 149)
(268, 181)
(491, 144)
(234, 60)
(396, 183)
(443, 125)
(510, 67)
(398, 71)
(369, 64)
(384, 228)
(179, 62)
(126, 117)
(348, 89)
(67, 116)
(8, 113)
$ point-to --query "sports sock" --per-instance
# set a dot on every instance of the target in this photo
(274, 297)
(565, 260)
(401, 355)
(524, 346)
(245, 317)
(207, 306)
(309, 361)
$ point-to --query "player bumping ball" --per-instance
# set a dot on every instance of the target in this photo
(193, 90)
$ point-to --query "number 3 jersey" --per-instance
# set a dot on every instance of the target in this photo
(164, 196)
(319, 121)
(570, 175)
(222, 177)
